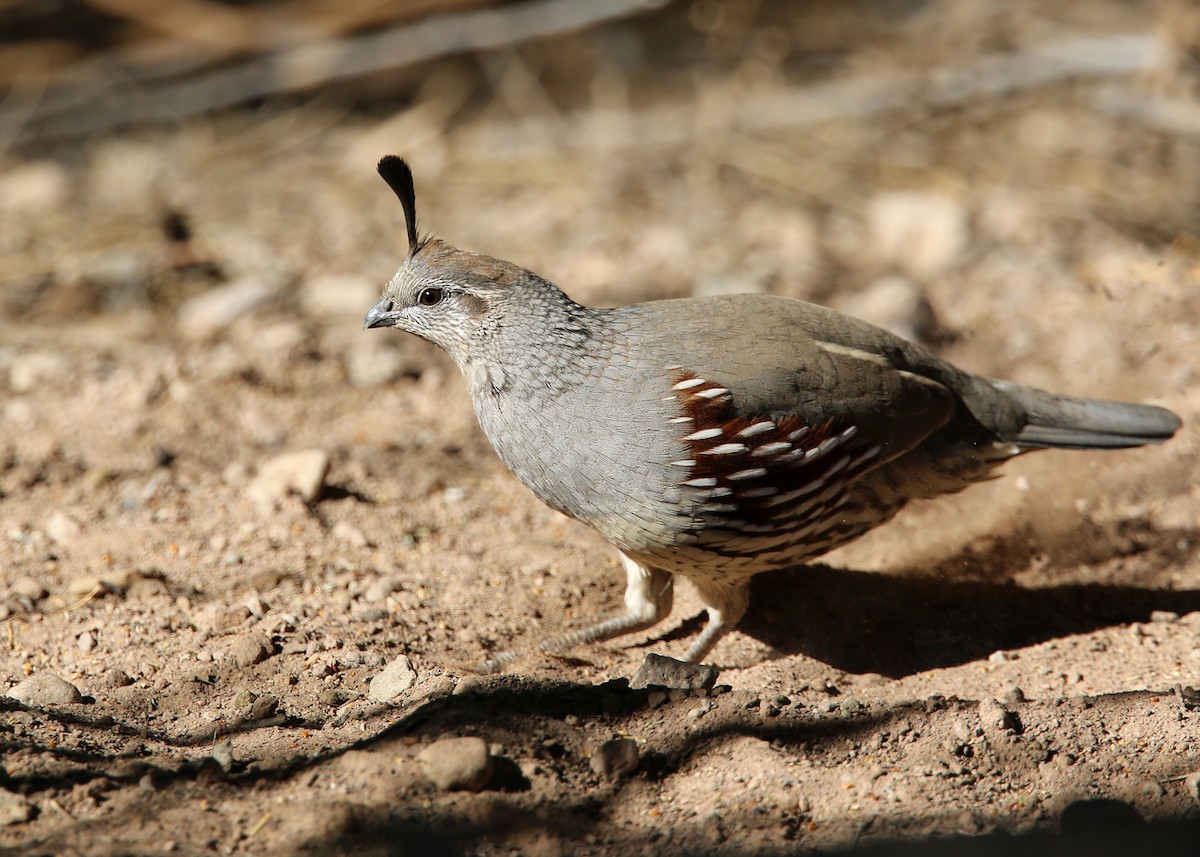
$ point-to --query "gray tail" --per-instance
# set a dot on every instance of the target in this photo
(1064, 422)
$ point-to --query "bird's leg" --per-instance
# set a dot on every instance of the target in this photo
(726, 603)
(648, 596)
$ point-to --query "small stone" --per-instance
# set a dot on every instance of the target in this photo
(14, 809)
(396, 677)
(616, 758)
(457, 764)
(249, 649)
(115, 677)
(62, 528)
(207, 314)
(222, 753)
(379, 590)
(661, 671)
(34, 188)
(45, 689)
(86, 642)
(27, 587)
(996, 718)
(257, 607)
(999, 657)
(346, 532)
(302, 473)
(1012, 695)
(1164, 616)
(263, 707)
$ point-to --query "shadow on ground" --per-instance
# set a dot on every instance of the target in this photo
(864, 622)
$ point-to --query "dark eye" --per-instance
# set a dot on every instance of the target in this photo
(430, 297)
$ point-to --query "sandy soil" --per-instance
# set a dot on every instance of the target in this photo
(1015, 660)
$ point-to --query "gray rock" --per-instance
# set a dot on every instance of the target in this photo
(302, 473)
(661, 671)
(616, 758)
(457, 764)
(397, 677)
(249, 649)
(45, 689)
(115, 677)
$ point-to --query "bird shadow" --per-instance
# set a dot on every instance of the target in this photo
(901, 624)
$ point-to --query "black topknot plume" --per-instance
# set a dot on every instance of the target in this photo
(400, 179)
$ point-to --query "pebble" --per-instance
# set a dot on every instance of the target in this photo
(86, 641)
(62, 528)
(457, 764)
(14, 809)
(207, 314)
(616, 758)
(344, 531)
(27, 587)
(1012, 695)
(324, 295)
(661, 671)
(249, 649)
(396, 677)
(380, 589)
(35, 187)
(302, 473)
(921, 233)
(996, 718)
(45, 689)
(115, 677)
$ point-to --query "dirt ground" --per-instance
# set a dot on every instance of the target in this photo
(1013, 663)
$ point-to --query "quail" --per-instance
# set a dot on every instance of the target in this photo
(718, 437)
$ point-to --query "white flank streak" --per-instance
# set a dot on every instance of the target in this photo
(850, 432)
(679, 419)
(752, 473)
(757, 428)
(689, 383)
(712, 392)
(838, 465)
(706, 482)
(726, 449)
(771, 448)
(687, 462)
(799, 433)
(705, 434)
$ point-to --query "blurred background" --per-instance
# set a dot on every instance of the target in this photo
(191, 230)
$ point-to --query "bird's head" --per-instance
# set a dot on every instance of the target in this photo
(457, 300)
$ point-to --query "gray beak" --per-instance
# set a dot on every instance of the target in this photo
(380, 315)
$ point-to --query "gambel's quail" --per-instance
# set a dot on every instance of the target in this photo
(717, 437)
